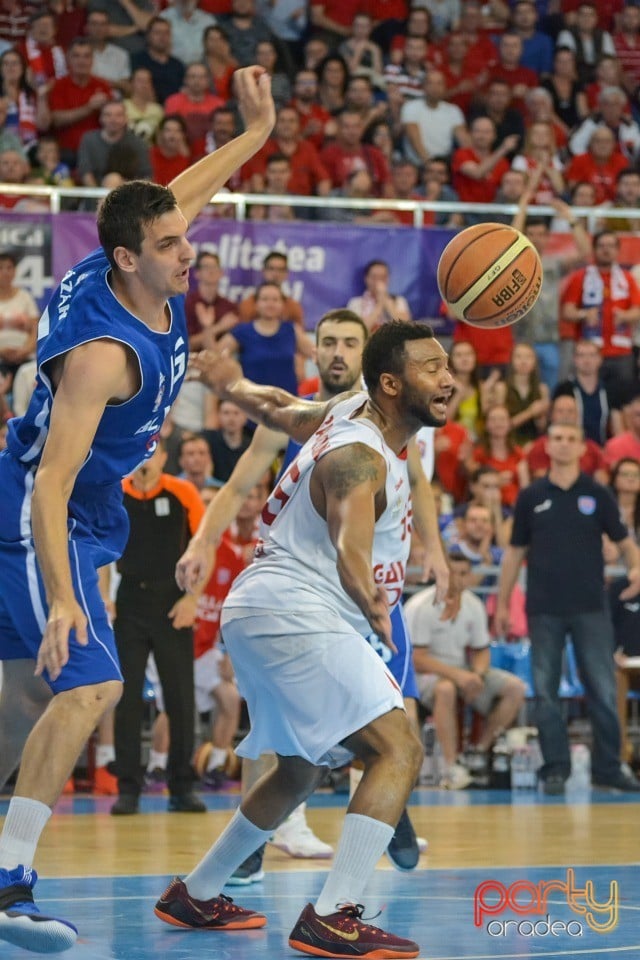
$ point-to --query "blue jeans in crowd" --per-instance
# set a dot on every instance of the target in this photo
(592, 636)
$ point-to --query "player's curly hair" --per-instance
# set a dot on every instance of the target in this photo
(384, 350)
(127, 210)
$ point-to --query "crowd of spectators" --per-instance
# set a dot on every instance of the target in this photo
(380, 88)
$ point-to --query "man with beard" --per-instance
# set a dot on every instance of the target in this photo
(340, 338)
(328, 570)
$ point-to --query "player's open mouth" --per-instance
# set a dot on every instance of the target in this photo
(440, 403)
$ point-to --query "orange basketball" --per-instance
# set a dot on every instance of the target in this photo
(489, 275)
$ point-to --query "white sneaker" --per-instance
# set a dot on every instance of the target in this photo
(422, 844)
(457, 777)
(296, 838)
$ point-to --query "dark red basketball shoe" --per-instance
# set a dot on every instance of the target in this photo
(343, 934)
(175, 906)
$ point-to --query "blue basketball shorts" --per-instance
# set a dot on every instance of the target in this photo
(96, 530)
(400, 664)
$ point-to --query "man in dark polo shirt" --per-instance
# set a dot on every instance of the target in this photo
(154, 616)
(558, 525)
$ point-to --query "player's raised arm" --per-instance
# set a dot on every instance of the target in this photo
(275, 408)
(92, 375)
(195, 186)
(345, 485)
(195, 563)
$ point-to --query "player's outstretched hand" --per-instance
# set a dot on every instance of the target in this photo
(252, 87)
(217, 369)
(53, 654)
(194, 565)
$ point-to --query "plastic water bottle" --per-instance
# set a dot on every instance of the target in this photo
(520, 769)
(580, 780)
(535, 759)
(500, 776)
(429, 771)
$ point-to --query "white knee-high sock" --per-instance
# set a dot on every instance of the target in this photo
(26, 819)
(238, 840)
(362, 843)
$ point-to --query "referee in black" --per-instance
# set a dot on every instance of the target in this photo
(154, 616)
(558, 525)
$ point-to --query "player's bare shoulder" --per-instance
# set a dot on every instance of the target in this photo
(349, 467)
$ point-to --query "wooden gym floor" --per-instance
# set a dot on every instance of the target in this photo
(105, 873)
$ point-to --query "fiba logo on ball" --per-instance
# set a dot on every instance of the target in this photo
(489, 275)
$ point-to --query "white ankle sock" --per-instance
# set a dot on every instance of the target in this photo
(217, 758)
(237, 841)
(25, 821)
(157, 760)
(105, 754)
(362, 843)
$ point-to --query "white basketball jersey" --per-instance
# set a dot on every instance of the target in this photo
(295, 562)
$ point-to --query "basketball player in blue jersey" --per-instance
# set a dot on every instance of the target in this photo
(112, 353)
(340, 339)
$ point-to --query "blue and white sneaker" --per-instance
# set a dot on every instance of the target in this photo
(22, 923)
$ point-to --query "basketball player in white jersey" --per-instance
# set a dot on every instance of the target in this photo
(340, 338)
(330, 568)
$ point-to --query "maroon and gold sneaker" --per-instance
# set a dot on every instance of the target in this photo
(175, 906)
(343, 934)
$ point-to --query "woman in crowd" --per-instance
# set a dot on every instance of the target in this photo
(625, 487)
(267, 345)
(497, 449)
(524, 395)
(170, 154)
(472, 395)
(267, 57)
(332, 77)
(144, 113)
(27, 111)
(569, 99)
(219, 61)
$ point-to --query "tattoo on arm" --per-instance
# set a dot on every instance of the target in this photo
(351, 466)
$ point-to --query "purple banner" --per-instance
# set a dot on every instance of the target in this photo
(326, 261)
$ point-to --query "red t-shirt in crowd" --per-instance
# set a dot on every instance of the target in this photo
(67, 95)
(538, 459)
(315, 114)
(232, 556)
(197, 116)
(307, 169)
(450, 471)
(166, 168)
(475, 191)
(342, 11)
(602, 176)
(615, 341)
(341, 163)
(492, 347)
(509, 490)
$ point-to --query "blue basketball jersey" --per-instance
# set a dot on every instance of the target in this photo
(82, 309)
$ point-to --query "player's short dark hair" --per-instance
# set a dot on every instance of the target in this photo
(127, 210)
(342, 315)
(384, 350)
